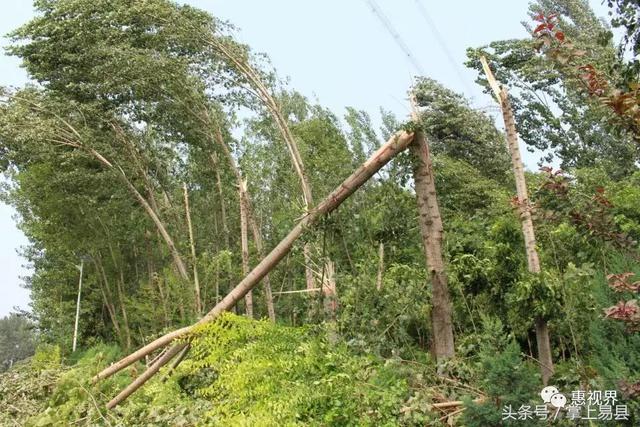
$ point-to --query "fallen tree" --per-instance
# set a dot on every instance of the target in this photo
(381, 157)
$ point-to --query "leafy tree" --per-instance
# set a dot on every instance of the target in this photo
(551, 110)
(17, 340)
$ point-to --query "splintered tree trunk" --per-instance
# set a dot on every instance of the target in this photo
(381, 157)
(194, 259)
(543, 340)
(244, 244)
(432, 232)
(255, 230)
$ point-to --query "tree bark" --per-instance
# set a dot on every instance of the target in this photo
(194, 259)
(524, 209)
(432, 232)
(381, 157)
(255, 230)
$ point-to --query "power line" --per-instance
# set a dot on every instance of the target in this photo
(396, 36)
(443, 45)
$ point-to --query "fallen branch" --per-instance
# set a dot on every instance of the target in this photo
(381, 157)
(453, 403)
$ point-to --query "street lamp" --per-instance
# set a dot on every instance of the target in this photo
(75, 328)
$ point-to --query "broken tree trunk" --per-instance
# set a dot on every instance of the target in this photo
(430, 222)
(255, 230)
(381, 157)
(194, 259)
(543, 340)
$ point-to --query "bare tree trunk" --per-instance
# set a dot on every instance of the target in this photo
(250, 213)
(432, 232)
(244, 246)
(380, 266)
(381, 157)
(194, 259)
(524, 209)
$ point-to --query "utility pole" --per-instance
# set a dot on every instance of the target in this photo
(75, 329)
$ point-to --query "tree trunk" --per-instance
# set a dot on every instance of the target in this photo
(432, 232)
(250, 213)
(244, 247)
(381, 157)
(380, 267)
(264, 94)
(524, 209)
(194, 259)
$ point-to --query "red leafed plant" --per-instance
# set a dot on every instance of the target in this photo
(551, 41)
(620, 282)
(625, 311)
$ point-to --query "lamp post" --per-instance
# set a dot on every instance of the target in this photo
(75, 329)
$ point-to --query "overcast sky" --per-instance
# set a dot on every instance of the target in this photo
(335, 51)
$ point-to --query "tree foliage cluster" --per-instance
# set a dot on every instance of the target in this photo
(137, 107)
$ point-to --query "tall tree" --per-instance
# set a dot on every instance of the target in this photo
(524, 211)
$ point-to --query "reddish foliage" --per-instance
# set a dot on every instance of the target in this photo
(620, 282)
(556, 182)
(625, 104)
(629, 390)
(624, 310)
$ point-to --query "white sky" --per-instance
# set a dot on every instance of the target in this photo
(334, 50)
